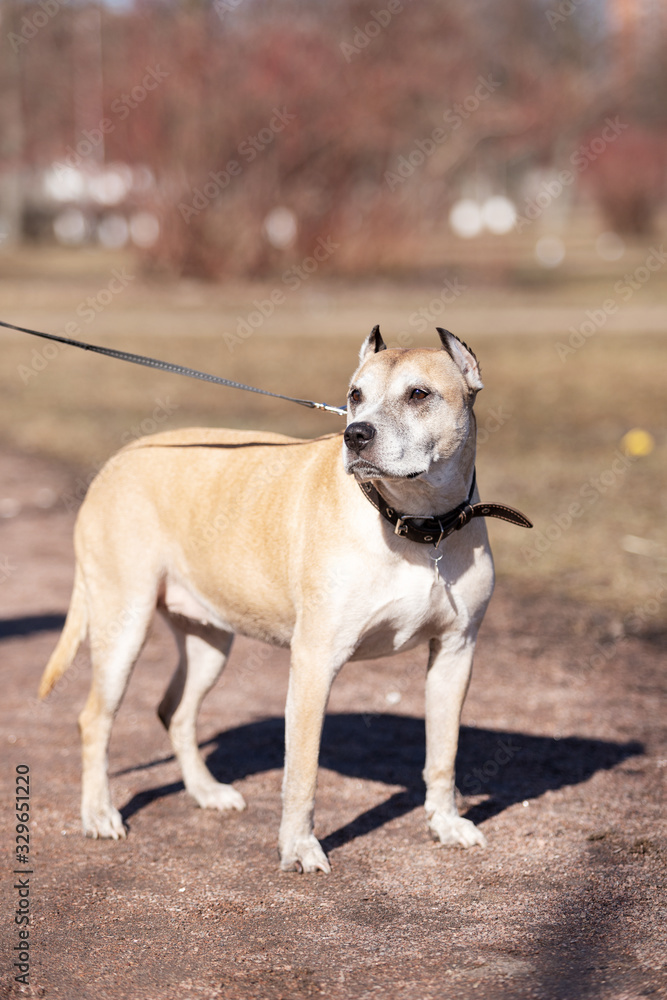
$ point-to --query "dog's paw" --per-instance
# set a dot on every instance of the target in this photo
(217, 796)
(304, 855)
(104, 824)
(455, 831)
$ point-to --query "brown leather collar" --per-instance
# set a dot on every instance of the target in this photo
(432, 530)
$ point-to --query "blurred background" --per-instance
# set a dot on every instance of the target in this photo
(248, 186)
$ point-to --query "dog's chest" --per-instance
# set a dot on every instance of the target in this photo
(409, 606)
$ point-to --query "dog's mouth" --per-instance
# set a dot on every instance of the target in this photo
(367, 470)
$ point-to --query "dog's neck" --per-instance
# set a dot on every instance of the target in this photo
(440, 491)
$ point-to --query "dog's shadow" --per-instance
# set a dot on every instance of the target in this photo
(506, 767)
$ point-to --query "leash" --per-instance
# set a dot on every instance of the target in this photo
(429, 530)
(139, 359)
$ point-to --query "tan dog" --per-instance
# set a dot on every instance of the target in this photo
(272, 537)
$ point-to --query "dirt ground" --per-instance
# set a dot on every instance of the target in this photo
(562, 761)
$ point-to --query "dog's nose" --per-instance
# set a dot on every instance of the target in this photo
(358, 434)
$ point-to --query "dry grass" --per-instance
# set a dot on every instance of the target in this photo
(560, 424)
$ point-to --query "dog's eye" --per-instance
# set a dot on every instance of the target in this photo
(355, 395)
(419, 394)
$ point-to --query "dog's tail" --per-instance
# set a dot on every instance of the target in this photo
(71, 637)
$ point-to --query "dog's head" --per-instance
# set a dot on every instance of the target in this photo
(409, 411)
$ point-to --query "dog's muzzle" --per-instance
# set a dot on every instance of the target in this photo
(358, 434)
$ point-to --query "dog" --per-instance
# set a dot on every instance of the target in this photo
(337, 556)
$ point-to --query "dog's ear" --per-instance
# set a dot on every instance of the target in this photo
(461, 354)
(372, 344)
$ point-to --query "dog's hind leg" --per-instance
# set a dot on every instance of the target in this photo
(201, 661)
(117, 633)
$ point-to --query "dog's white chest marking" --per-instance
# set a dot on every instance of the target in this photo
(409, 606)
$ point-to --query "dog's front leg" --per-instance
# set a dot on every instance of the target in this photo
(309, 685)
(449, 668)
